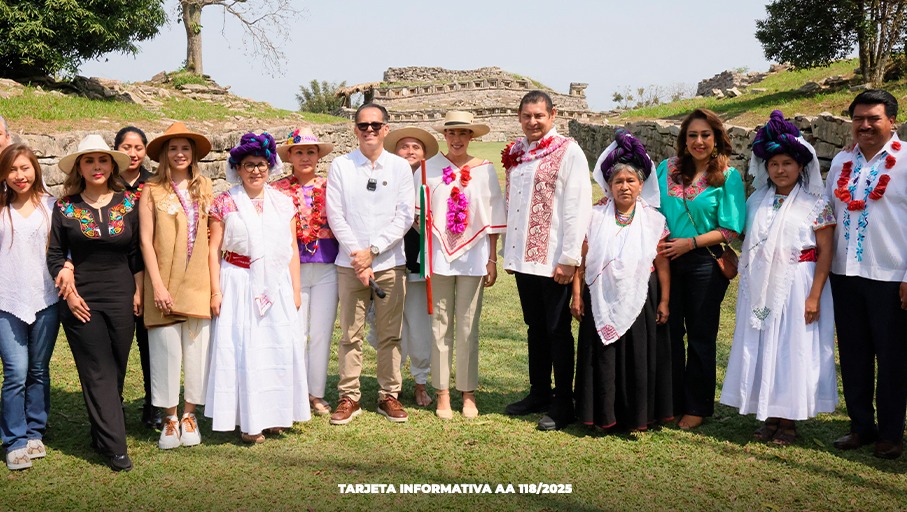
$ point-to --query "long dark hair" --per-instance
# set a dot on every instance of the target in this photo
(718, 164)
(7, 195)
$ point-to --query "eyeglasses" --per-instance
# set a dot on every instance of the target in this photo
(249, 167)
(374, 125)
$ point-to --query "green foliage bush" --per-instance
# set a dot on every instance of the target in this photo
(48, 37)
(320, 97)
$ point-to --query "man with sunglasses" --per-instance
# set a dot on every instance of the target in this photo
(370, 206)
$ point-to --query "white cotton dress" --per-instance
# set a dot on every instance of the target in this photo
(258, 376)
(786, 370)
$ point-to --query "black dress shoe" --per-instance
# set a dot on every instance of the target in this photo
(549, 423)
(888, 449)
(151, 417)
(119, 462)
(853, 440)
(532, 404)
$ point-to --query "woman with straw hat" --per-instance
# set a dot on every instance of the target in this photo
(97, 226)
(173, 210)
(258, 377)
(317, 250)
(467, 209)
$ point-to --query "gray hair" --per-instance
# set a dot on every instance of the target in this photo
(5, 125)
(621, 166)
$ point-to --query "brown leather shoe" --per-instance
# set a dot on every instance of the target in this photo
(392, 409)
(346, 410)
(888, 449)
(852, 441)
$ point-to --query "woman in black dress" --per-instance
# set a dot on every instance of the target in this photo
(96, 225)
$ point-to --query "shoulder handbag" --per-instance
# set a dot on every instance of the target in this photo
(724, 255)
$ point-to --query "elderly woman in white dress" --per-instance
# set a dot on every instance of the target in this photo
(467, 209)
(782, 364)
(257, 378)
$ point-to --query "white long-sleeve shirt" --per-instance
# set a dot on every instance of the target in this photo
(361, 218)
(546, 227)
(878, 250)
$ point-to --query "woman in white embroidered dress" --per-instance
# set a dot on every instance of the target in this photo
(467, 209)
(623, 363)
(28, 312)
(782, 364)
(257, 378)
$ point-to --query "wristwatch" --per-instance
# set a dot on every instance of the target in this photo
(374, 250)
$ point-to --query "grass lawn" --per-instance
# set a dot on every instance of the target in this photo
(752, 109)
(718, 466)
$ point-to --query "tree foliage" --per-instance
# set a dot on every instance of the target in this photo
(810, 33)
(320, 97)
(48, 37)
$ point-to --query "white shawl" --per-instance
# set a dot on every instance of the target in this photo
(269, 242)
(619, 264)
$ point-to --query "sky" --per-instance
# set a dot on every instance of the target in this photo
(608, 44)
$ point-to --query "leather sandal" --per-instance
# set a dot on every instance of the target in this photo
(253, 439)
(421, 396)
(768, 429)
(445, 413)
(786, 435)
(689, 422)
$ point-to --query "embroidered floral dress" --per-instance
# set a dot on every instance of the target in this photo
(786, 369)
(103, 245)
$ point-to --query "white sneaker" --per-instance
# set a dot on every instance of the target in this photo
(35, 449)
(170, 434)
(190, 435)
(18, 459)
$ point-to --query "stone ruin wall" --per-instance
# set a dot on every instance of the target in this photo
(51, 148)
(438, 74)
(826, 132)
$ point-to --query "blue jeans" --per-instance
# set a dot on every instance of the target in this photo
(25, 397)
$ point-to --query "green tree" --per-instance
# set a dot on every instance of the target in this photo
(48, 37)
(320, 97)
(810, 33)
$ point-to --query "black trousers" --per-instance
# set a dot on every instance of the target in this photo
(697, 289)
(100, 349)
(546, 311)
(872, 331)
(141, 339)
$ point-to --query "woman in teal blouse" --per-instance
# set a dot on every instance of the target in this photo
(703, 200)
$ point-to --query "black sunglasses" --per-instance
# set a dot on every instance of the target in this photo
(374, 125)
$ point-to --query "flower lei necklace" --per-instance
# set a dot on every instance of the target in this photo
(309, 226)
(846, 188)
(457, 203)
(512, 156)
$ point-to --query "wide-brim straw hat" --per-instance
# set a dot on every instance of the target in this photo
(178, 130)
(429, 142)
(458, 119)
(94, 143)
(303, 137)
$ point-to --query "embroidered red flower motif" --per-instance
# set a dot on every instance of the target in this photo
(844, 178)
(880, 187)
(843, 195)
(856, 206)
(890, 161)
(848, 166)
(543, 144)
(896, 145)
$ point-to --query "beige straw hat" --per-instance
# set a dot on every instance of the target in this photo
(462, 120)
(179, 130)
(93, 143)
(429, 142)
